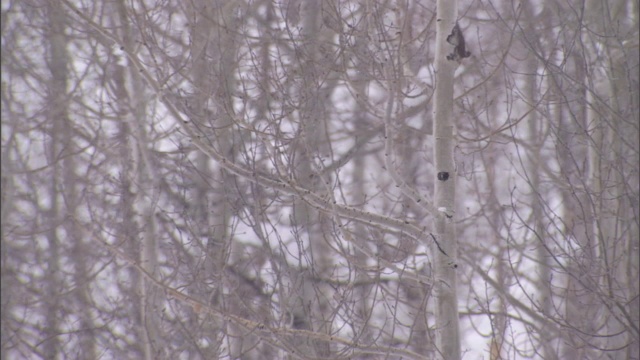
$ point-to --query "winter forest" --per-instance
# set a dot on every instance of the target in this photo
(339, 179)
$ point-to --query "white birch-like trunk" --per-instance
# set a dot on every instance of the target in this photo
(447, 328)
(532, 167)
(140, 183)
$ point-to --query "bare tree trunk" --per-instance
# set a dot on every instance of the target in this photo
(498, 313)
(140, 186)
(57, 117)
(575, 226)
(615, 183)
(445, 283)
(532, 167)
(209, 206)
(363, 308)
(308, 309)
(6, 281)
(214, 76)
(611, 143)
(80, 253)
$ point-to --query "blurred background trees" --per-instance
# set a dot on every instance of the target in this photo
(273, 162)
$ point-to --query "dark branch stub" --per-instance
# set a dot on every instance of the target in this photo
(438, 244)
(457, 39)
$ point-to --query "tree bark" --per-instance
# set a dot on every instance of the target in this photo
(445, 252)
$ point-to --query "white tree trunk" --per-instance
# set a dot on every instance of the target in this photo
(447, 328)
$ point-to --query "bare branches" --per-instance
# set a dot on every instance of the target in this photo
(261, 177)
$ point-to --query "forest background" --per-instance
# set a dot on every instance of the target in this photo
(255, 180)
